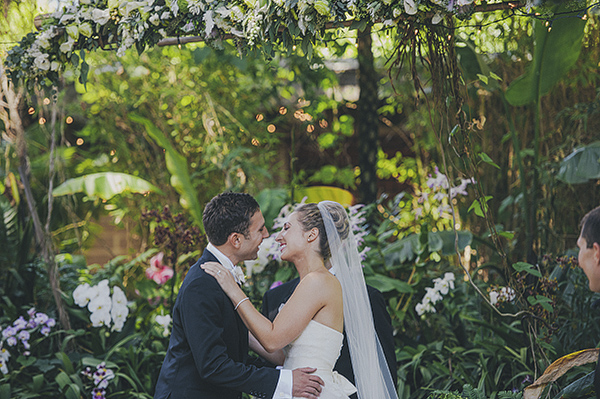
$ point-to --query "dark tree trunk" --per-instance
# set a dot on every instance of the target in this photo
(367, 121)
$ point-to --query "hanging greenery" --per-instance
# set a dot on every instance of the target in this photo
(65, 36)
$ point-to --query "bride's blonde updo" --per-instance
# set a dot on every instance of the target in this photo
(310, 217)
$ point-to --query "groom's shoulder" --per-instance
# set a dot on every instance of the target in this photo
(196, 275)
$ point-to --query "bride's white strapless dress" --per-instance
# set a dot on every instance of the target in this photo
(319, 346)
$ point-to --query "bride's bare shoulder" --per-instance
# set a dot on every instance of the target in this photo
(319, 280)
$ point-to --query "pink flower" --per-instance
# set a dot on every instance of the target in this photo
(158, 271)
(275, 284)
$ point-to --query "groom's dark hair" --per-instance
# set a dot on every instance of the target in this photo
(590, 227)
(228, 213)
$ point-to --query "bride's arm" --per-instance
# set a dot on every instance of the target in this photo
(308, 298)
(277, 357)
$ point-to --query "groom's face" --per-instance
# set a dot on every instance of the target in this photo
(257, 232)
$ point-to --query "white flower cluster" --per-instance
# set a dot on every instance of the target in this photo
(442, 193)
(104, 309)
(500, 295)
(435, 294)
(86, 24)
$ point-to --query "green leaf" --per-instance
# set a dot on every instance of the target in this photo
(526, 267)
(5, 391)
(64, 358)
(105, 185)
(494, 76)
(582, 165)
(38, 382)
(72, 392)
(386, 284)
(554, 55)
(62, 379)
(178, 167)
(480, 206)
(541, 300)
(486, 158)
(581, 388)
(483, 78)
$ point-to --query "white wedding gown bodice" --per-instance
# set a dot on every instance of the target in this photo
(319, 346)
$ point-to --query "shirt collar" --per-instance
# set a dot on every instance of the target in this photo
(221, 257)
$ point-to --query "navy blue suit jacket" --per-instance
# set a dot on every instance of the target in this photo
(273, 299)
(208, 348)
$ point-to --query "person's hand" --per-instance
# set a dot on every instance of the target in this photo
(306, 384)
(225, 280)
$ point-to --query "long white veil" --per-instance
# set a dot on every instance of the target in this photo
(372, 375)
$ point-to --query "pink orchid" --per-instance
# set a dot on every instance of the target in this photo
(158, 271)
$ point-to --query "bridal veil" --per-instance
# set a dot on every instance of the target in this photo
(372, 375)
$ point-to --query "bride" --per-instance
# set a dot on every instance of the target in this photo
(307, 332)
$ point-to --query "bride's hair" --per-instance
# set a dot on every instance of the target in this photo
(310, 217)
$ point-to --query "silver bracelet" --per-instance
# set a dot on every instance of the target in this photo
(240, 302)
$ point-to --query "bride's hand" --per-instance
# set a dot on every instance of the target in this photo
(225, 280)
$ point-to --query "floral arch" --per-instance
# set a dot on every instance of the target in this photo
(269, 25)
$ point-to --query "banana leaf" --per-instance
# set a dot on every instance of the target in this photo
(581, 166)
(556, 51)
(105, 185)
(178, 167)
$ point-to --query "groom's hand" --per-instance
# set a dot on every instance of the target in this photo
(306, 385)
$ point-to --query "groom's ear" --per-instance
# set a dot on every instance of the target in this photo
(234, 240)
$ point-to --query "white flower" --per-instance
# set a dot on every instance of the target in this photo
(437, 18)
(66, 18)
(85, 1)
(449, 277)
(119, 315)
(100, 303)
(119, 298)
(101, 17)
(100, 318)
(410, 7)
(81, 295)
(174, 6)
(432, 296)
(4, 355)
(493, 297)
(85, 29)
(441, 285)
(55, 66)
(72, 31)
(43, 41)
(42, 62)
(154, 19)
(163, 321)
(165, 15)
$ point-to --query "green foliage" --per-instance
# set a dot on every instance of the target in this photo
(177, 166)
(104, 185)
(557, 48)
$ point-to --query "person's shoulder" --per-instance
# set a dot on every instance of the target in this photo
(319, 282)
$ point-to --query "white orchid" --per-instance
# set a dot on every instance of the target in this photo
(101, 17)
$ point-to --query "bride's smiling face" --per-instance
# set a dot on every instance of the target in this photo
(292, 239)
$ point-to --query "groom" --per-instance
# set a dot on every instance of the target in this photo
(208, 348)
(276, 297)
